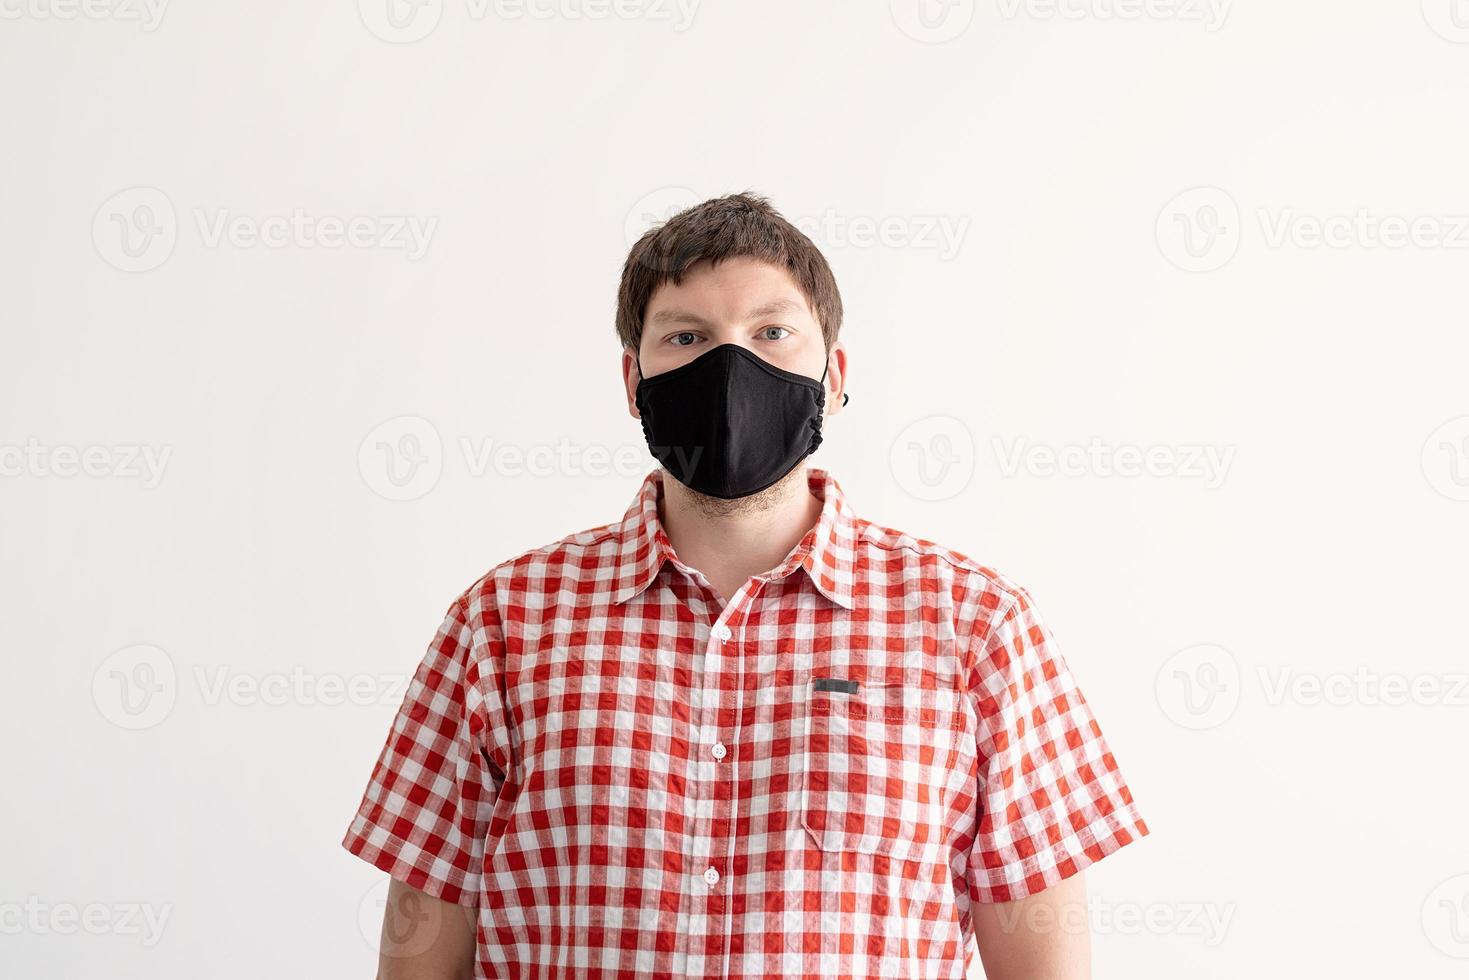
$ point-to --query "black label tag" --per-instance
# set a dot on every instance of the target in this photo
(836, 684)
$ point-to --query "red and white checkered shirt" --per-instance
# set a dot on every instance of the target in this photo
(818, 779)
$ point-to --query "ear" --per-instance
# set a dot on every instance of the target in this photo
(836, 377)
(630, 379)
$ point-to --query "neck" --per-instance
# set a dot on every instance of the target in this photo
(732, 540)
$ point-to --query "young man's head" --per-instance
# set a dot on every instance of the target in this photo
(731, 271)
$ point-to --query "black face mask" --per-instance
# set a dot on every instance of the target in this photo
(729, 424)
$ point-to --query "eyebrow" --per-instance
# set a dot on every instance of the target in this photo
(764, 310)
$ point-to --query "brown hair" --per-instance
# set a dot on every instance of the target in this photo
(721, 228)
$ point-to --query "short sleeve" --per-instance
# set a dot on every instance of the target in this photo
(1051, 799)
(425, 814)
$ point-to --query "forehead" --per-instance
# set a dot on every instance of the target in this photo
(738, 288)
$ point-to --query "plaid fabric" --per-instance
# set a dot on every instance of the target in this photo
(820, 778)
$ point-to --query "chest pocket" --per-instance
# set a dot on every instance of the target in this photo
(878, 764)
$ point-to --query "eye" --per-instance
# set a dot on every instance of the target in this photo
(774, 333)
(685, 339)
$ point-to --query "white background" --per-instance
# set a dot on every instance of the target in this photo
(997, 186)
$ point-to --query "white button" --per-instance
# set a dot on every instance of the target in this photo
(722, 632)
(711, 876)
(718, 750)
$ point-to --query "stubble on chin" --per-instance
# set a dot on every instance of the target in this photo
(718, 508)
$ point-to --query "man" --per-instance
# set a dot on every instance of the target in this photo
(743, 732)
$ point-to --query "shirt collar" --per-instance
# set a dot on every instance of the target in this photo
(826, 551)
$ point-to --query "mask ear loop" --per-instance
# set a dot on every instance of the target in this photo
(845, 396)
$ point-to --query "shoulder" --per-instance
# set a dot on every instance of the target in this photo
(990, 592)
(578, 555)
(875, 541)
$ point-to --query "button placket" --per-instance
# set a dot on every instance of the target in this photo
(719, 635)
(716, 788)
